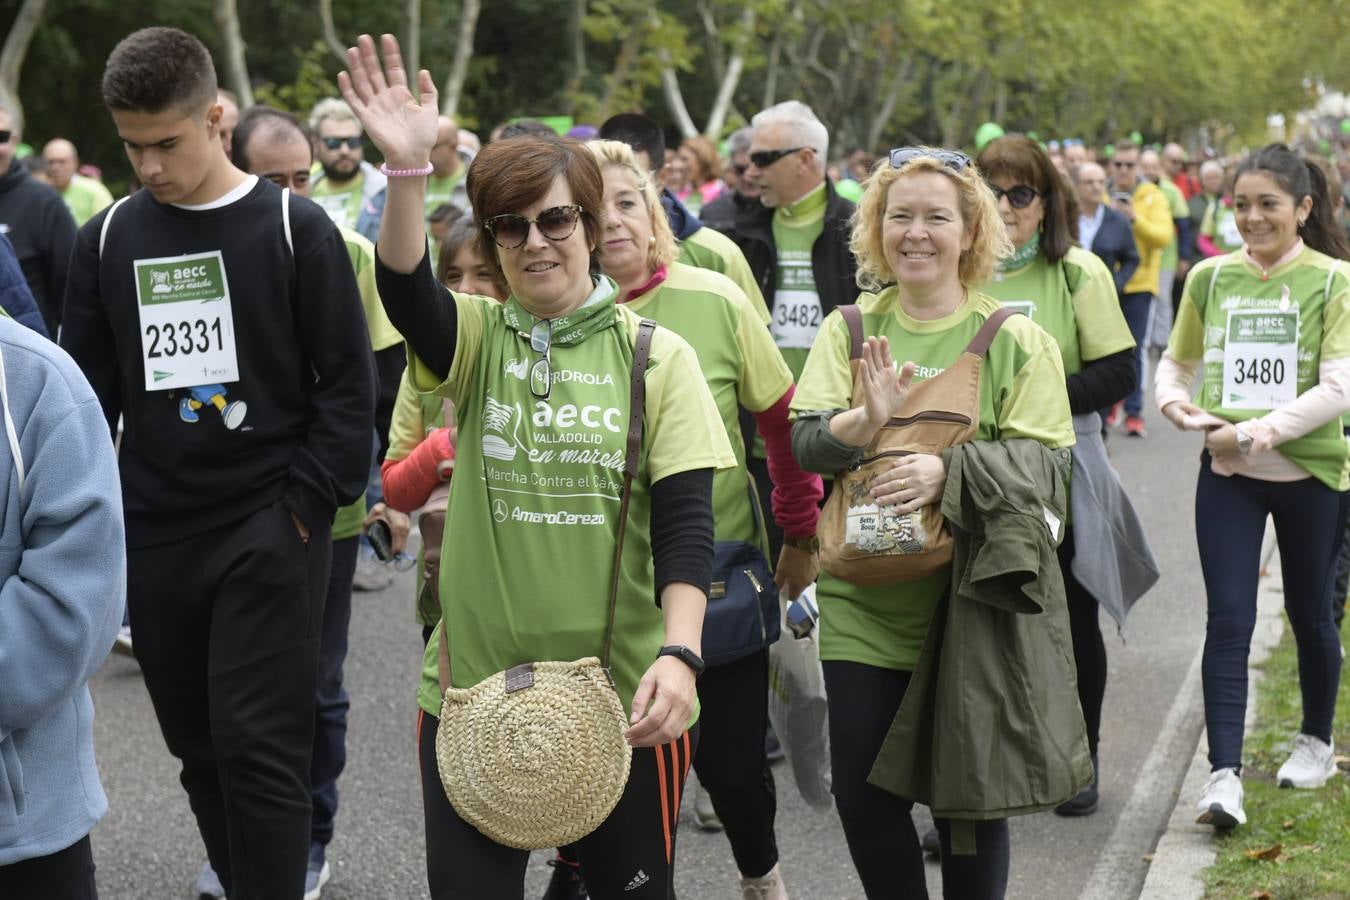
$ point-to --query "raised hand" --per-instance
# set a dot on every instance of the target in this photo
(884, 390)
(400, 123)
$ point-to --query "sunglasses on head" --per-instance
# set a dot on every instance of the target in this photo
(1020, 196)
(333, 143)
(5, 135)
(765, 158)
(556, 223)
(952, 159)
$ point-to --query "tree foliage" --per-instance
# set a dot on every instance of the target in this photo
(878, 72)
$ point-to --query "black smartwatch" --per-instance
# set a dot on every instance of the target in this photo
(685, 655)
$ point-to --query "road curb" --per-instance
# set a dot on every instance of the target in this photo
(1186, 849)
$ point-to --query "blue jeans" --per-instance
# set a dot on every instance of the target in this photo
(1138, 308)
(331, 705)
(1230, 520)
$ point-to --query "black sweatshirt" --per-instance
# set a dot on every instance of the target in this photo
(35, 219)
(306, 373)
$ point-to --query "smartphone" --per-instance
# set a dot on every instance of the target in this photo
(381, 541)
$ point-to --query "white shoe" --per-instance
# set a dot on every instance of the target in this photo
(315, 879)
(371, 574)
(123, 643)
(207, 886)
(1221, 801)
(768, 886)
(1309, 766)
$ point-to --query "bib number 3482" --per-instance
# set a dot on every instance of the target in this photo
(1260, 359)
(187, 322)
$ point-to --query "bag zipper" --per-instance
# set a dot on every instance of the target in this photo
(759, 609)
(882, 455)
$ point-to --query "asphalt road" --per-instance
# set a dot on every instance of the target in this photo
(147, 846)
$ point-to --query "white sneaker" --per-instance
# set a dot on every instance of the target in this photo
(207, 886)
(123, 643)
(315, 878)
(1309, 766)
(768, 886)
(1221, 801)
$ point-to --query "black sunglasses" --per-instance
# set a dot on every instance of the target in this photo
(764, 158)
(333, 143)
(952, 159)
(1020, 196)
(5, 136)
(556, 223)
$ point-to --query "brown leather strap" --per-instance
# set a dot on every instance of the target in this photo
(979, 345)
(637, 400)
(852, 314)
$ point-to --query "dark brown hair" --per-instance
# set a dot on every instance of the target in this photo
(463, 232)
(154, 69)
(1018, 157)
(1300, 179)
(510, 174)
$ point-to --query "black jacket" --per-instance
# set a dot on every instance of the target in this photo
(1114, 243)
(721, 213)
(42, 230)
(832, 261)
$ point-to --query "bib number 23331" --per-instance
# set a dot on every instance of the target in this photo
(1260, 360)
(187, 323)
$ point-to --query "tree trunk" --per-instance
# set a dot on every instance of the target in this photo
(411, 44)
(629, 50)
(576, 37)
(670, 88)
(15, 49)
(771, 70)
(236, 68)
(903, 73)
(459, 69)
(330, 36)
(717, 118)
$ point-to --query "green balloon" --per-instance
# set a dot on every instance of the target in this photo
(23, 151)
(1345, 126)
(985, 133)
(1109, 150)
(1136, 137)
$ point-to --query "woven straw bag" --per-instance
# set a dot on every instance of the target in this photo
(534, 756)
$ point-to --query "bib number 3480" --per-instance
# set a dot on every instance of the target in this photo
(187, 322)
(1260, 359)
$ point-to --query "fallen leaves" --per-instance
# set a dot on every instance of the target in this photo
(1269, 854)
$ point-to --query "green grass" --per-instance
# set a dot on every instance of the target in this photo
(1312, 828)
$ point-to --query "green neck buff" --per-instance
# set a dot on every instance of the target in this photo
(574, 327)
(1023, 255)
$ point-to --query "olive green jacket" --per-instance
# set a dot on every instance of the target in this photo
(990, 725)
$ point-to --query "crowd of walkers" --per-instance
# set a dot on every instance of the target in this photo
(654, 415)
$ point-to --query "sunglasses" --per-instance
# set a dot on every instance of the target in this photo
(5, 136)
(1119, 164)
(952, 159)
(556, 223)
(541, 373)
(764, 158)
(1020, 196)
(333, 143)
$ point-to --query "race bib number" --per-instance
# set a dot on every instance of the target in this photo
(1025, 307)
(187, 323)
(796, 319)
(1260, 359)
(338, 207)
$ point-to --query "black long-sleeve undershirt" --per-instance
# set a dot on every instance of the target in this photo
(422, 310)
(1102, 382)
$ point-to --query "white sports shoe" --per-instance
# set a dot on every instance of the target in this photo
(1309, 766)
(1221, 801)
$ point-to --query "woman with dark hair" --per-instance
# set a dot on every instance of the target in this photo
(1267, 330)
(1070, 293)
(542, 386)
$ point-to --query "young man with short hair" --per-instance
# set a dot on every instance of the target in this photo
(220, 319)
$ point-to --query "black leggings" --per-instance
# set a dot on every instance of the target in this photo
(877, 825)
(64, 875)
(629, 857)
(731, 763)
(1089, 650)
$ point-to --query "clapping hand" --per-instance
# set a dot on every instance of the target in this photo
(402, 124)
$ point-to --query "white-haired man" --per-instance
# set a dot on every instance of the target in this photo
(348, 188)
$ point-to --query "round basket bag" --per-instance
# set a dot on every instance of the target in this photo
(534, 757)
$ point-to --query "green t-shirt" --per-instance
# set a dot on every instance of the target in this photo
(347, 521)
(1220, 226)
(1319, 289)
(797, 311)
(739, 361)
(85, 197)
(1022, 395)
(1180, 211)
(530, 528)
(448, 189)
(708, 248)
(1075, 300)
(341, 202)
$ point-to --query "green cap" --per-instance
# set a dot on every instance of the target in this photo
(987, 132)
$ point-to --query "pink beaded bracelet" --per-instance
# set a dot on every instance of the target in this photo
(406, 173)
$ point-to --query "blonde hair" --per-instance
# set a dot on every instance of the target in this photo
(979, 213)
(664, 249)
